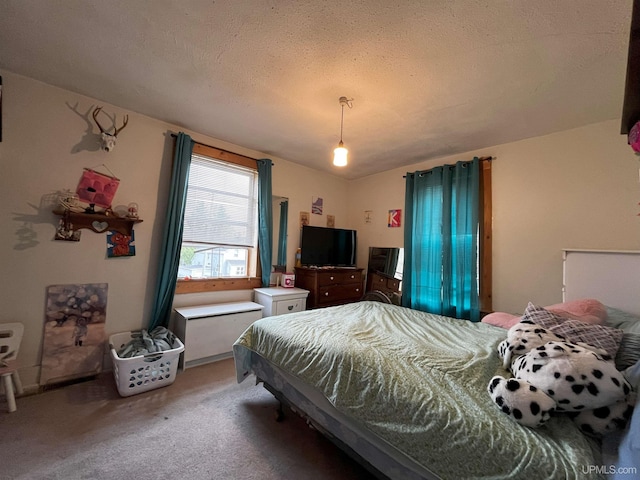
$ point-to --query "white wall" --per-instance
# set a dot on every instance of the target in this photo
(44, 148)
(574, 189)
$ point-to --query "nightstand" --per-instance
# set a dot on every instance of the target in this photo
(280, 300)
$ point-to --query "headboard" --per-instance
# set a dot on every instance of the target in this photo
(612, 277)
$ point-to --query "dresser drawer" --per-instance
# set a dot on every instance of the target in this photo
(334, 278)
(393, 284)
(330, 286)
(381, 282)
(279, 300)
(385, 284)
(339, 293)
(378, 282)
(289, 306)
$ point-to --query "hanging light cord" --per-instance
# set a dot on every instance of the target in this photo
(340, 153)
(341, 123)
(343, 101)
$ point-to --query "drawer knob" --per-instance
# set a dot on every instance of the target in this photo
(290, 307)
(357, 289)
(353, 276)
(326, 294)
(381, 280)
(330, 278)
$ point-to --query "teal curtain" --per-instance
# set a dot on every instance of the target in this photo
(407, 280)
(265, 218)
(282, 233)
(167, 276)
(442, 210)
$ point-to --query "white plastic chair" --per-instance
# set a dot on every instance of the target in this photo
(10, 339)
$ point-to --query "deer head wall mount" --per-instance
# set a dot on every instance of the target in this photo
(108, 140)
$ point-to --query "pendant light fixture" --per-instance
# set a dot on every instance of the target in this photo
(340, 153)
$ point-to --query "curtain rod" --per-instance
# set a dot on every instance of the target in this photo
(482, 159)
(175, 135)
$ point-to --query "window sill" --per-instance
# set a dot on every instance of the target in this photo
(217, 285)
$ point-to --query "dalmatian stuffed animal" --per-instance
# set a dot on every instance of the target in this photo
(553, 375)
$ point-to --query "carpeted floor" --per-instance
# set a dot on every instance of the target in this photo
(203, 426)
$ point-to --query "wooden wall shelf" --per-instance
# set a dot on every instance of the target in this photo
(98, 222)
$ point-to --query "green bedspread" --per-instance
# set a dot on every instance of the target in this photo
(419, 381)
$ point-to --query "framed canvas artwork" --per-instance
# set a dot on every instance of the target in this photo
(74, 332)
(120, 245)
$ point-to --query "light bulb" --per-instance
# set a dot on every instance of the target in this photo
(340, 156)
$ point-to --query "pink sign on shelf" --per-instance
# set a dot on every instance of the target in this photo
(97, 188)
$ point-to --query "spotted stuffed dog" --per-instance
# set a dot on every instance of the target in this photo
(521, 338)
(528, 405)
(553, 375)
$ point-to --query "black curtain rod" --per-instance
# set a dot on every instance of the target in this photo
(480, 158)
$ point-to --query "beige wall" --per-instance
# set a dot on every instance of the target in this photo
(574, 189)
(44, 148)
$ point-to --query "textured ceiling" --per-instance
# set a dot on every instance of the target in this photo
(427, 78)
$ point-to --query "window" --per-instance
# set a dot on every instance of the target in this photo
(219, 238)
(448, 212)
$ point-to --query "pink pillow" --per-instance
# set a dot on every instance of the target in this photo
(586, 310)
(501, 319)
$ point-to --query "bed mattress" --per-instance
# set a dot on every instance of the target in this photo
(417, 382)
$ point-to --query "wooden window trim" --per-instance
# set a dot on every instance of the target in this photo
(230, 157)
(217, 285)
(222, 284)
(486, 236)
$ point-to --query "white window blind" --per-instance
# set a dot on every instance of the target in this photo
(222, 204)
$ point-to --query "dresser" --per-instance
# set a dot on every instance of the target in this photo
(330, 286)
(280, 300)
(388, 285)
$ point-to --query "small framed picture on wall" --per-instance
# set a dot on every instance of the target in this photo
(331, 221)
(304, 219)
(394, 218)
(316, 205)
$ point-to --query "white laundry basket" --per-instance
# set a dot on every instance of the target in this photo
(144, 372)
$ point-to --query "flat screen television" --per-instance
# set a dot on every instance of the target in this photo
(324, 247)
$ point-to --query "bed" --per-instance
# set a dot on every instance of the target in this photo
(405, 393)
